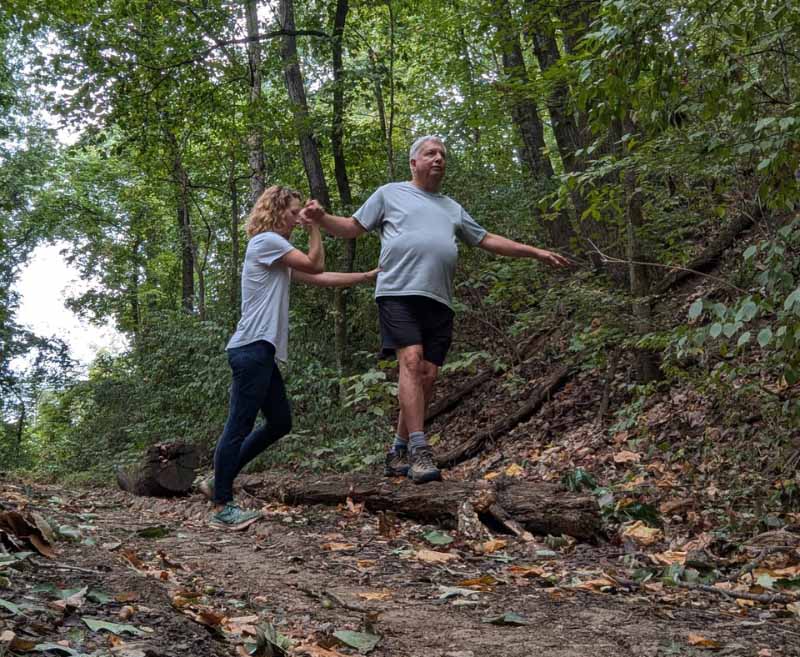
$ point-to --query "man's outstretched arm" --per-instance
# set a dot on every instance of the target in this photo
(346, 227)
(505, 247)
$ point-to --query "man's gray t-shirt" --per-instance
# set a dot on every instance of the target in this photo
(265, 295)
(418, 233)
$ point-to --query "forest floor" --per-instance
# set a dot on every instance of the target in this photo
(173, 586)
(700, 553)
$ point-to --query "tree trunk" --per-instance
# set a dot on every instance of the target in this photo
(181, 180)
(299, 106)
(541, 508)
(646, 362)
(342, 180)
(525, 115)
(235, 282)
(168, 469)
(569, 137)
(255, 139)
(378, 88)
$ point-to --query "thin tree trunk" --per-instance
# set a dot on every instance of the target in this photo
(181, 180)
(569, 137)
(342, 180)
(297, 97)
(525, 115)
(235, 282)
(255, 138)
(378, 88)
(637, 274)
(133, 291)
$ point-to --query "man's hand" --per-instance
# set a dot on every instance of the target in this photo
(555, 260)
(312, 213)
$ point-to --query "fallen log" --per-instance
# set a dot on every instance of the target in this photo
(540, 508)
(167, 470)
(711, 255)
(474, 445)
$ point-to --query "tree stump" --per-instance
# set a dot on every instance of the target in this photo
(540, 508)
(167, 470)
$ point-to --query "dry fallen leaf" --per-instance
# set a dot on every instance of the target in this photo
(431, 556)
(641, 533)
(483, 583)
(375, 595)
(313, 650)
(527, 571)
(624, 456)
(669, 557)
(596, 584)
(491, 475)
(514, 470)
(702, 642)
(489, 547)
(337, 547)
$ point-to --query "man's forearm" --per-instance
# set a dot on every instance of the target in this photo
(345, 227)
(505, 247)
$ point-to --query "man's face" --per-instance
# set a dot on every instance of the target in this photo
(430, 162)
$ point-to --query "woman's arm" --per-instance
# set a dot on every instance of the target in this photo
(314, 262)
(335, 278)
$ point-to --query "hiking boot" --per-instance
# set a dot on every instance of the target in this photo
(233, 518)
(206, 487)
(396, 464)
(423, 468)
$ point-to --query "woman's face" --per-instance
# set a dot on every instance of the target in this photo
(290, 218)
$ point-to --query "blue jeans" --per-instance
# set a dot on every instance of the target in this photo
(257, 386)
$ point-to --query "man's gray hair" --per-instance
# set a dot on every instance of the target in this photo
(419, 141)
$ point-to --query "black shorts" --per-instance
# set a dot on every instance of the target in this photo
(411, 320)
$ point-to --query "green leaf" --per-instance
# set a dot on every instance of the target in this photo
(792, 299)
(729, 329)
(56, 648)
(99, 597)
(715, 330)
(696, 309)
(10, 606)
(765, 580)
(65, 531)
(158, 531)
(96, 625)
(744, 338)
(578, 480)
(361, 641)
(438, 538)
(764, 337)
(508, 618)
(747, 311)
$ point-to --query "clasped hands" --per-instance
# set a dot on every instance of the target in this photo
(311, 214)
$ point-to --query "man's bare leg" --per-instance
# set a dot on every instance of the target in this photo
(416, 378)
(430, 372)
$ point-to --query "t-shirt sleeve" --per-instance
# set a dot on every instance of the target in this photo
(470, 231)
(370, 215)
(271, 247)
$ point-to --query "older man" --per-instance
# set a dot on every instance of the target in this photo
(418, 227)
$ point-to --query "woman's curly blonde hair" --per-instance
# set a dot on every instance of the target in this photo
(267, 213)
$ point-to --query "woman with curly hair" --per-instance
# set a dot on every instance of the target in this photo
(261, 338)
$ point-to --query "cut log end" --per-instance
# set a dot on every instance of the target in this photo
(167, 470)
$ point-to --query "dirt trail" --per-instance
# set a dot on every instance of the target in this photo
(312, 572)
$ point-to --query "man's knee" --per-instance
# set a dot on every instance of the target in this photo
(412, 362)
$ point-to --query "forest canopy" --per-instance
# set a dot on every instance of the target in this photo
(655, 143)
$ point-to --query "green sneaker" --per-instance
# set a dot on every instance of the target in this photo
(206, 487)
(233, 518)
(423, 468)
(396, 464)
